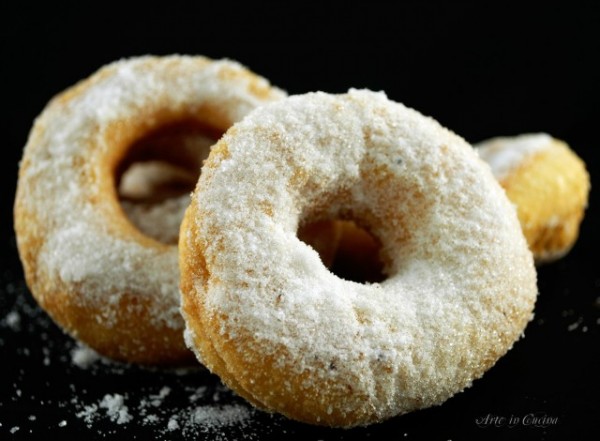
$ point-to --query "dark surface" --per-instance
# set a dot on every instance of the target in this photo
(482, 73)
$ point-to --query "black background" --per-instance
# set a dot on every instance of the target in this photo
(481, 71)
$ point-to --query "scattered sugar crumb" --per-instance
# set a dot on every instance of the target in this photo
(584, 329)
(32, 417)
(227, 415)
(156, 400)
(199, 393)
(13, 320)
(88, 414)
(173, 424)
(14, 429)
(190, 421)
(63, 423)
(83, 356)
(151, 419)
(116, 409)
(575, 325)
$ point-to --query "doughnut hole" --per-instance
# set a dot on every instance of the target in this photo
(357, 257)
(158, 173)
(348, 250)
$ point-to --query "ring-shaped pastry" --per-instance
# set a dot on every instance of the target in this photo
(265, 314)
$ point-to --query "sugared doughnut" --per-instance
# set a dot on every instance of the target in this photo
(99, 277)
(265, 314)
(549, 185)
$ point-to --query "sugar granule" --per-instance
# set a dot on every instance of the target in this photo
(13, 321)
(116, 409)
(83, 356)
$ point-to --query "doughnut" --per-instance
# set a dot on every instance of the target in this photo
(264, 313)
(549, 185)
(99, 277)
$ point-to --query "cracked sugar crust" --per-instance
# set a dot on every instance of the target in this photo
(98, 276)
(265, 314)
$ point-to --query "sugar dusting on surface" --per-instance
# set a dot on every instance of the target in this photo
(463, 265)
(504, 154)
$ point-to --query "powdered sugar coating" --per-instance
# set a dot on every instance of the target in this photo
(505, 154)
(79, 251)
(265, 314)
